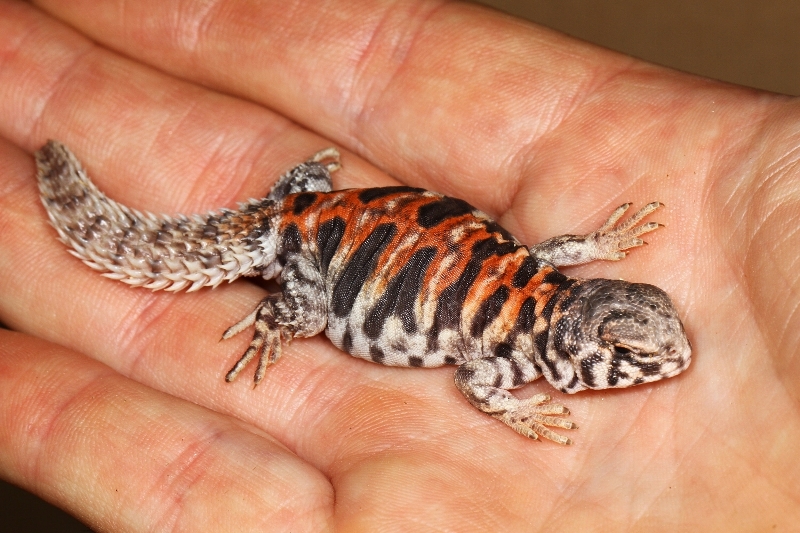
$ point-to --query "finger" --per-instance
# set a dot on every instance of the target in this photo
(169, 145)
(123, 457)
(445, 94)
(452, 97)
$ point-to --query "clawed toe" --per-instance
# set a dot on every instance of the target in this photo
(532, 416)
(613, 240)
(266, 343)
(268, 350)
(332, 155)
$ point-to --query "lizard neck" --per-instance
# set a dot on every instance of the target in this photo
(552, 295)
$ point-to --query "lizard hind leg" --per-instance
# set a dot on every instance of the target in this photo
(314, 175)
(484, 382)
(299, 310)
(266, 343)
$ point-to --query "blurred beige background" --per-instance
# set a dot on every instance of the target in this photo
(748, 42)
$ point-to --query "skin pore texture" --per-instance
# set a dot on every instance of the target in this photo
(112, 401)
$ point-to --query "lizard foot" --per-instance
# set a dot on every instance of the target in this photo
(266, 343)
(610, 241)
(531, 416)
(331, 154)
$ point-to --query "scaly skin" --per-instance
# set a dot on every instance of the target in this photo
(398, 276)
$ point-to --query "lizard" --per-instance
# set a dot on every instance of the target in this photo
(395, 275)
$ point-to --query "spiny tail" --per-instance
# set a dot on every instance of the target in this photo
(140, 249)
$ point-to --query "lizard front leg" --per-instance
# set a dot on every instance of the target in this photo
(313, 175)
(485, 383)
(609, 242)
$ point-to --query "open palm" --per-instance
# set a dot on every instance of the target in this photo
(112, 399)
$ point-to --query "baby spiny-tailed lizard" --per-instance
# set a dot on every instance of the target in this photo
(395, 275)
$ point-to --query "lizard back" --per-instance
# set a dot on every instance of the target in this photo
(414, 278)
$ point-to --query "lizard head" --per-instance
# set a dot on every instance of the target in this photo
(613, 334)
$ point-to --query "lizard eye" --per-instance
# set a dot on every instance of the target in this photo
(622, 349)
(642, 353)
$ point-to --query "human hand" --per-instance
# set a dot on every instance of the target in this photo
(546, 134)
